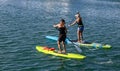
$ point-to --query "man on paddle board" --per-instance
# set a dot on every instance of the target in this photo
(62, 35)
(80, 29)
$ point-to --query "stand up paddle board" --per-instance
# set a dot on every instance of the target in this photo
(86, 44)
(52, 51)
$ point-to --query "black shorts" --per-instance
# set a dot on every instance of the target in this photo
(62, 38)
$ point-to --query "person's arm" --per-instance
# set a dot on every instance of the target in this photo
(56, 26)
(73, 23)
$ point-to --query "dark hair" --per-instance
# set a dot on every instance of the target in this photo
(63, 20)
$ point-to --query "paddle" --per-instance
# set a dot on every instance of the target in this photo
(76, 46)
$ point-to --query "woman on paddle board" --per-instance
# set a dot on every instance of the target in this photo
(62, 35)
(80, 29)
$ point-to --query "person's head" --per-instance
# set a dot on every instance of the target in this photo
(62, 21)
(77, 15)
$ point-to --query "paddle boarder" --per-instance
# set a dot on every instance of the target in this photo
(80, 29)
(62, 35)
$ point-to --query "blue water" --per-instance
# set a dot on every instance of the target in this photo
(25, 23)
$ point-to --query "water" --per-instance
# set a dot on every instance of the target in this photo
(25, 23)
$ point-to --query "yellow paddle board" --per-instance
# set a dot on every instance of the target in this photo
(52, 52)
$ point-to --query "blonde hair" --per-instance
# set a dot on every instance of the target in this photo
(77, 15)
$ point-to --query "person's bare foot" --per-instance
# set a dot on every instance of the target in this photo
(64, 52)
(79, 41)
(59, 52)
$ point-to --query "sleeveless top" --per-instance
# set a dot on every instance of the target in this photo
(80, 23)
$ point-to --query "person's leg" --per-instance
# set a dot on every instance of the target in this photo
(81, 37)
(78, 35)
(59, 47)
(81, 33)
(64, 48)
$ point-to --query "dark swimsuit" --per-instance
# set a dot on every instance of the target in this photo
(80, 26)
(62, 34)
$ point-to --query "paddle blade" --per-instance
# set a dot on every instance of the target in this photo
(78, 49)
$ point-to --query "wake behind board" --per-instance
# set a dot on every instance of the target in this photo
(51, 51)
(86, 44)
